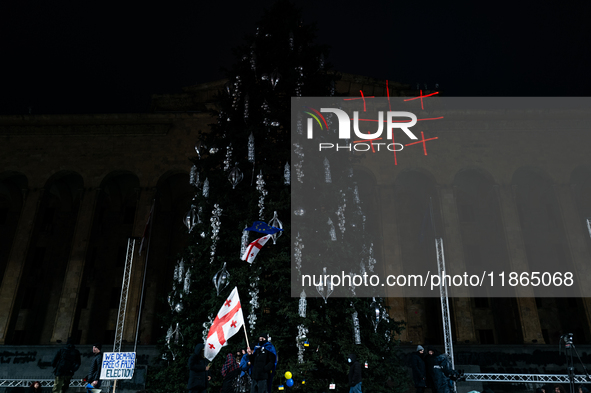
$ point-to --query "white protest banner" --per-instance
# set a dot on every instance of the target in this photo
(118, 365)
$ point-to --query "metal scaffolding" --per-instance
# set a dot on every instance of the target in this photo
(444, 303)
(124, 293)
(523, 378)
(45, 383)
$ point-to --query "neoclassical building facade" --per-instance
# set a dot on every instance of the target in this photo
(74, 188)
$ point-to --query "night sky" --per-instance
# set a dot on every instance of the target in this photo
(104, 58)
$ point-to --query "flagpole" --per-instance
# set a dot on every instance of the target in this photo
(247, 344)
(139, 317)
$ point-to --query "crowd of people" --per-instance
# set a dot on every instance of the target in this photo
(246, 370)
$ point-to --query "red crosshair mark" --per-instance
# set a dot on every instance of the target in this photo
(233, 324)
(227, 303)
(421, 96)
(423, 140)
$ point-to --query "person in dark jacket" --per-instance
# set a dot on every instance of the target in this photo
(418, 369)
(198, 371)
(245, 380)
(35, 387)
(94, 373)
(262, 363)
(230, 372)
(443, 374)
(65, 363)
(354, 374)
(429, 363)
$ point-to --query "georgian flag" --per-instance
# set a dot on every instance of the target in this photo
(226, 324)
(253, 248)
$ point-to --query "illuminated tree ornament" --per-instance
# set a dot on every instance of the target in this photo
(287, 174)
(356, 328)
(228, 159)
(327, 177)
(325, 290)
(251, 148)
(277, 224)
(221, 279)
(302, 305)
(375, 310)
(261, 189)
(206, 188)
(194, 176)
(235, 176)
(246, 103)
(275, 78)
(191, 218)
(244, 241)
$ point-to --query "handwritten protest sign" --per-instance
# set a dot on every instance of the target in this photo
(118, 365)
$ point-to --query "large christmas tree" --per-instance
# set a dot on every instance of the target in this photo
(241, 174)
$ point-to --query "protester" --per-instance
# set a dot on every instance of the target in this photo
(198, 371)
(559, 389)
(94, 373)
(65, 363)
(269, 346)
(354, 374)
(230, 372)
(244, 383)
(430, 361)
(443, 374)
(261, 361)
(583, 389)
(418, 369)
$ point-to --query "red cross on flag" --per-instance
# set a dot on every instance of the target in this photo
(253, 248)
(226, 324)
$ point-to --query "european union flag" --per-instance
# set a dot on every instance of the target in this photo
(263, 227)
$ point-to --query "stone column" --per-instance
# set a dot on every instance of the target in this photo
(146, 199)
(392, 255)
(576, 233)
(454, 257)
(17, 258)
(64, 320)
(526, 302)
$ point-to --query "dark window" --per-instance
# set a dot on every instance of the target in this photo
(38, 258)
(18, 337)
(3, 215)
(109, 337)
(546, 336)
(115, 297)
(83, 300)
(466, 213)
(129, 215)
(481, 302)
(486, 336)
(29, 297)
(121, 255)
(473, 258)
(48, 217)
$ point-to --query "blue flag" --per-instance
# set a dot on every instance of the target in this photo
(263, 227)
